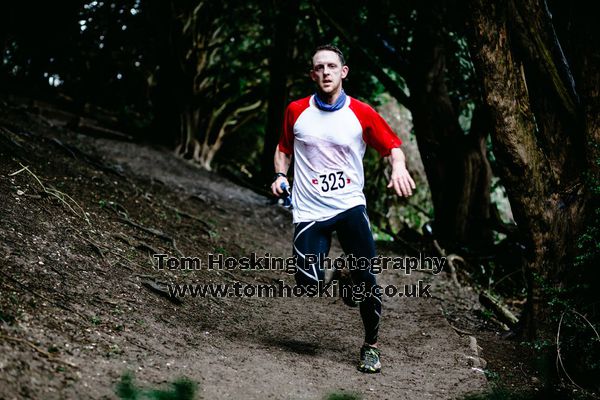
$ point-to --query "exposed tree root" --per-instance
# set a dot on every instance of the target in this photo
(152, 231)
(63, 197)
(494, 305)
(136, 244)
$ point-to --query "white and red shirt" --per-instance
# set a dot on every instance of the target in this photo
(328, 148)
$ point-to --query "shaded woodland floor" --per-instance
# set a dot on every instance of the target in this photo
(77, 310)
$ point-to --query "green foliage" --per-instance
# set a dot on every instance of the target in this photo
(491, 375)
(126, 389)
(343, 396)
(389, 212)
(462, 86)
(576, 346)
(220, 250)
(466, 115)
(573, 305)
(538, 345)
(589, 242)
(181, 389)
(379, 235)
(499, 393)
(499, 198)
(6, 317)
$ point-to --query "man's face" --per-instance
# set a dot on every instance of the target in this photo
(328, 72)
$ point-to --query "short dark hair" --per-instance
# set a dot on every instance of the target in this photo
(330, 47)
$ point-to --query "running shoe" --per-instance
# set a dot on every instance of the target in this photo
(369, 359)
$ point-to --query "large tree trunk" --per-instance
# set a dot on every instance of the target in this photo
(583, 29)
(456, 164)
(286, 12)
(537, 137)
(170, 90)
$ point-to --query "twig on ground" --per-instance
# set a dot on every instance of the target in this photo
(587, 321)
(559, 360)
(63, 197)
(559, 356)
(450, 258)
(174, 244)
(463, 332)
(118, 209)
(504, 277)
(494, 305)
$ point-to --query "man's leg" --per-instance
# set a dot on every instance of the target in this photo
(312, 241)
(356, 238)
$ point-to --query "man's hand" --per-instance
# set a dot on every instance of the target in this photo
(400, 180)
(282, 163)
(276, 185)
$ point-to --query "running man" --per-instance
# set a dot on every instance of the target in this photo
(328, 133)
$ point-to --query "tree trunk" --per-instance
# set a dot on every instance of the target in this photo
(285, 20)
(537, 139)
(226, 120)
(456, 164)
(171, 92)
(583, 29)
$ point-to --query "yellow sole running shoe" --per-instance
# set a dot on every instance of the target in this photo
(369, 360)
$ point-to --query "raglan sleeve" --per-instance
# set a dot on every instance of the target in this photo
(378, 134)
(286, 140)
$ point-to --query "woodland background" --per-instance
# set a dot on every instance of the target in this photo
(500, 98)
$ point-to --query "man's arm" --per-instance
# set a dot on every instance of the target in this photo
(282, 163)
(400, 180)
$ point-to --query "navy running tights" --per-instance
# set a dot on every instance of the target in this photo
(354, 233)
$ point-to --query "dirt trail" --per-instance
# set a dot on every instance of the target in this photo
(75, 291)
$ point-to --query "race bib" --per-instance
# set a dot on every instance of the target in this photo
(332, 183)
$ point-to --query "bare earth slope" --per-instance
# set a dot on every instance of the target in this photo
(75, 313)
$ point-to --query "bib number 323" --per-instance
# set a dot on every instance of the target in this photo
(331, 183)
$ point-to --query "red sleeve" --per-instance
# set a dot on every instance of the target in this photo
(292, 112)
(376, 132)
